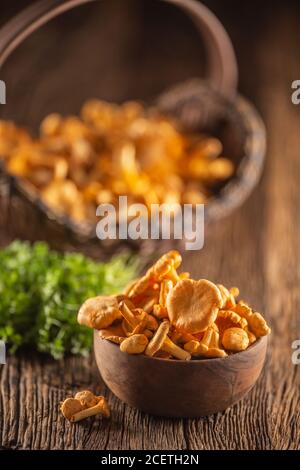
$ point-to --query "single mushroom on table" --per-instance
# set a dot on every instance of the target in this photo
(100, 408)
(70, 407)
(84, 405)
(86, 398)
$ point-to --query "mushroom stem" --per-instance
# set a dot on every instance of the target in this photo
(172, 275)
(128, 315)
(160, 312)
(149, 304)
(175, 350)
(161, 341)
(196, 348)
(143, 318)
(157, 272)
(165, 288)
(211, 342)
(100, 408)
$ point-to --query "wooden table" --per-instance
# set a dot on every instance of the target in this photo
(257, 248)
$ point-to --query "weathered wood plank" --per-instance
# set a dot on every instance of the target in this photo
(256, 249)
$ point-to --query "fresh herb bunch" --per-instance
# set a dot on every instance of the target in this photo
(41, 291)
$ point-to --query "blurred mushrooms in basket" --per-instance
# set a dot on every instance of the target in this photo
(77, 163)
(168, 315)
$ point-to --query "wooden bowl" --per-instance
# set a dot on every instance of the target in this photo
(183, 389)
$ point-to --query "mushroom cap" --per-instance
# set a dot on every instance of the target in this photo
(256, 321)
(70, 407)
(113, 333)
(193, 305)
(135, 344)
(156, 272)
(228, 319)
(158, 339)
(215, 353)
(99, 312)
(235, 339)
(175, 257)
(86, 398)
(258, 325)
(152, 323)
(164, 263)
(242, 309)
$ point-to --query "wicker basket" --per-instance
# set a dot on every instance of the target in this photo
(211, 105)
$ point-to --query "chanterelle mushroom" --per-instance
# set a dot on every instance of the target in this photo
(166, 264)
(158, 339)
(211, 340)
(86, 398)
(161, 341)
(135, 344)
(235, 339)
(114, 333)
(70, 407)
(257, 324)
(193, 305)
(99, 312)
(84, 404)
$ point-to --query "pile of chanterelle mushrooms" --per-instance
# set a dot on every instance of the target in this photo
(168, 315)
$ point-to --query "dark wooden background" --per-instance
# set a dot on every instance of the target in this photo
(117, 50)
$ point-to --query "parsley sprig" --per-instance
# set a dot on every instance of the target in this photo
(41, 291)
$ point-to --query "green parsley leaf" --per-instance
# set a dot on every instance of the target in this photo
(41, 292)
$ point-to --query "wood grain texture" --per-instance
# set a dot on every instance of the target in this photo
(257, 248)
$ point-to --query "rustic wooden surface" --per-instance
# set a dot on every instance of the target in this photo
(257, 249)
